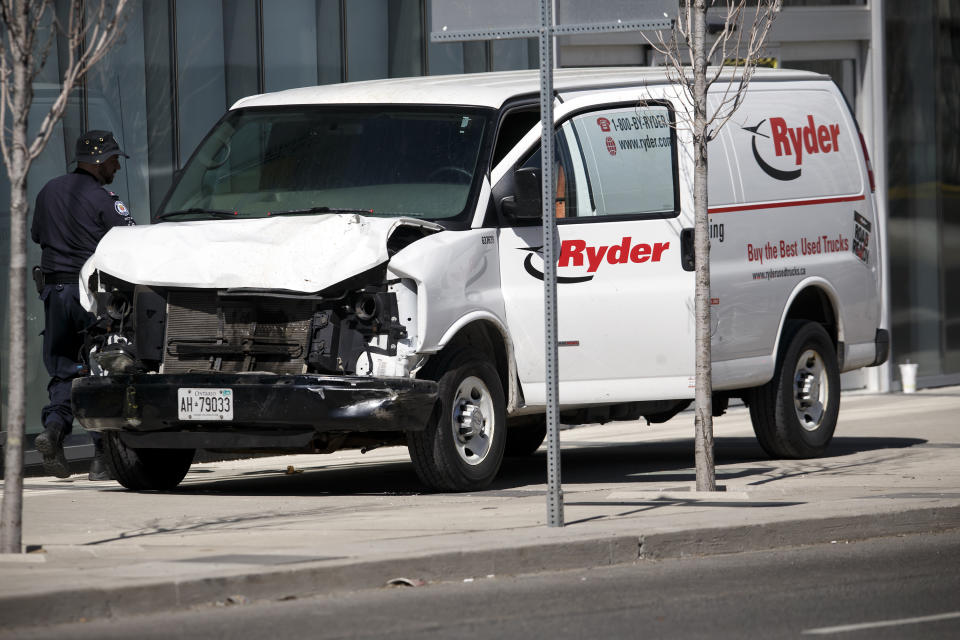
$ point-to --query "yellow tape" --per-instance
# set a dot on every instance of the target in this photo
(770, 63)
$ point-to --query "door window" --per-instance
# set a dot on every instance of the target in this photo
(615, 162)
(627, 155)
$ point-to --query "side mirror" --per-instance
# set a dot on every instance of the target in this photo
(525, 204)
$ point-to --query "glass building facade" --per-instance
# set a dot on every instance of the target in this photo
(923, 168)
(182, 63)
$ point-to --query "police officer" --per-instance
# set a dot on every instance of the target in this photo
(73, 213)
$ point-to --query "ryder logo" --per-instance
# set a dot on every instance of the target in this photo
(577, 253)
(611, 146)
(800, 142)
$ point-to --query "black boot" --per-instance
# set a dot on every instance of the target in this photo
(50, 445)
(98, 468)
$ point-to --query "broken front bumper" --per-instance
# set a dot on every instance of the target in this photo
(269, 405)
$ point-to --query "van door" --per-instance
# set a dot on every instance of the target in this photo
(625, 303)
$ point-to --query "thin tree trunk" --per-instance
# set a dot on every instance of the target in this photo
(743, 42)
(20, 63)
(11, 516)
(706, 477)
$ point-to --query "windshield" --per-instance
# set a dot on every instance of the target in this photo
(391, 161)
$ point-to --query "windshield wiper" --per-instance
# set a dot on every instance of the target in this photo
(216, 213)
(296, 212)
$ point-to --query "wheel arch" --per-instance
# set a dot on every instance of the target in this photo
(814, 300)
(484, 331)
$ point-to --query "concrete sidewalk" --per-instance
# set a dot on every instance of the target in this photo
(288, 526)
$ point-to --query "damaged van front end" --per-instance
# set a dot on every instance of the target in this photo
(182, 356)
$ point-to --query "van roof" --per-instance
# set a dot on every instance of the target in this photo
(480, 89)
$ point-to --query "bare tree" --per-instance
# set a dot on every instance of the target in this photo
(28, 30)
(686, 49)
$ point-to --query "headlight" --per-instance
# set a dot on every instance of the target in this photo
(118, 305)
(367, 307)
(117, 356)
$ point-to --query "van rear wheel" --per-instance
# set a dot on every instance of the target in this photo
(145, 469)
(795, 414)
(462, 447)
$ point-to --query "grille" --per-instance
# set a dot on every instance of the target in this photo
(206, 332)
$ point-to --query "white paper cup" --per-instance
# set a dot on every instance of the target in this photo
(908, 377)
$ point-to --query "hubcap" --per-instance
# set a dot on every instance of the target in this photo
(811, 390)
(472, 420)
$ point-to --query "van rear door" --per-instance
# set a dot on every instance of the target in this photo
(803, 217)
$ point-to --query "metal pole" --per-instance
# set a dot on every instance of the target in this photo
(879, 377)
(554, 491)
(463, 20)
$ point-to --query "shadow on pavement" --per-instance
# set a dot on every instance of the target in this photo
(646, 465)
(651, 465)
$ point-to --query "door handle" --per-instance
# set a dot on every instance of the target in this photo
(687, 250)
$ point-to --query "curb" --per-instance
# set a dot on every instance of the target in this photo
(796, 533)
(72, 605)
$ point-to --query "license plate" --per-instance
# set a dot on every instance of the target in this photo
(204, 404)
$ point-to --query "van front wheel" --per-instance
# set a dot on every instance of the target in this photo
(795, 414)
(462, 447)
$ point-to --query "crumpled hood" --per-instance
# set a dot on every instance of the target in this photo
(304, 253)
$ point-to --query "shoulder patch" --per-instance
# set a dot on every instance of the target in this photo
(121, 208)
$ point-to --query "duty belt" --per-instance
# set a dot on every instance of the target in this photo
(55, 277)
(61, 277)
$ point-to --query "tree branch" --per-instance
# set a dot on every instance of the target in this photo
(45, 50)
(4, 102)
(728, 44)
(103, 37)
(738, 81)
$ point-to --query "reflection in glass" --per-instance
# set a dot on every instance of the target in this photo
(366, 40)
(241, 48)
(913, 146)
(329, 41)
(290, 45)
(158, 78)
(201, 86)
(267, 161)
(384, 39)
(515, 54)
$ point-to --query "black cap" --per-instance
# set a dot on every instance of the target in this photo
(97, 146)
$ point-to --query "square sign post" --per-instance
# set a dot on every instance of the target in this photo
(458, 20)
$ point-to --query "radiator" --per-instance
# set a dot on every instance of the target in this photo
(206, 332)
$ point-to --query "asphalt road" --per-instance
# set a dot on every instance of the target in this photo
(904, 587)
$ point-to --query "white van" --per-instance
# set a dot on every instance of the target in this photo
(359, 265)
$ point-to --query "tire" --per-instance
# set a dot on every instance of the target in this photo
(524, 440)
(795, 414)
(462, 447)
(145, 469)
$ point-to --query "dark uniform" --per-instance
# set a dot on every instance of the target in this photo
(72, 214)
